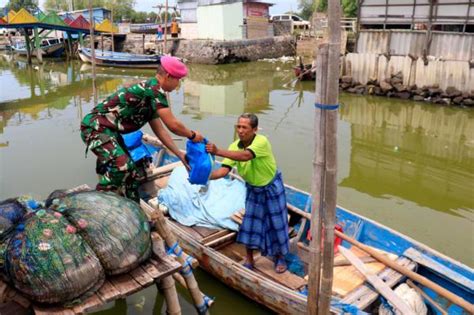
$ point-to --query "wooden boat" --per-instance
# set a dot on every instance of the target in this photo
(305, 72)
(219, 254)
(50, 47)
(146, 28)
(119, 59)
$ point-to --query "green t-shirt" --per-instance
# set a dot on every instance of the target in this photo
(260, 170)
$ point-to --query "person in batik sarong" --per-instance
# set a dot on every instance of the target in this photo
(265, 223)
(125, 111)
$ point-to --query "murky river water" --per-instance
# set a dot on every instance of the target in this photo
(407, 165)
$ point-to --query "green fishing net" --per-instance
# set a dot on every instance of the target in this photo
(116, 228)
(48, 261)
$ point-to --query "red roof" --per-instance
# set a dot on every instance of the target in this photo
(68, 20)
(80, 22)
(2, 21)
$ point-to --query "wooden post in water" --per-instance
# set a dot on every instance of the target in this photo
(143, 43)
(69, 45)
(92, 43)
(324, 187)
(166, 27)
(37, 42)
(112, 21)
(28, 45)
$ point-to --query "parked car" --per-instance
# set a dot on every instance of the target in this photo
(298, 22)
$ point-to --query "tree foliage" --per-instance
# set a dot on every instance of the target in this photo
(30, 5)
(123, 9)
(307, 7)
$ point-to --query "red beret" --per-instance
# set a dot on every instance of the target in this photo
(174, 67)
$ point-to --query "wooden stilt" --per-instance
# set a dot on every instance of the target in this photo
(69, 45)
(165, 51)
(162, 227)
(37, 41)
(166, 285)
(143, 43)
(28, 45)
(92, 43)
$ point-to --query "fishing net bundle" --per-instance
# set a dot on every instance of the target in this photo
(61, 254)
(48, 261)
(116, 228)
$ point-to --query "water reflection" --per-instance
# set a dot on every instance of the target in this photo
(230, 89)
(414, 151)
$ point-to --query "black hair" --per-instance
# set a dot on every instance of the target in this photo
(252, 118)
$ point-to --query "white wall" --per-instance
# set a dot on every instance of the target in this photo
(220, 21)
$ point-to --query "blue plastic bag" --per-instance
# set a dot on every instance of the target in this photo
(135, 147)
(200, 162)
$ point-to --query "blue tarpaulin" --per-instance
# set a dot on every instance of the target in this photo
(208, 206)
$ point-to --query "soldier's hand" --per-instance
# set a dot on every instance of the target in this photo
(199, 137)
(211, 148)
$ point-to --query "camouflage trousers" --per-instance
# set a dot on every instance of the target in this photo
(116, 170)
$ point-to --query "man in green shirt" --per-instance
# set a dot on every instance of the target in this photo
(265, 224)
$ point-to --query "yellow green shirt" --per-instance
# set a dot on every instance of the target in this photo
(260, 170)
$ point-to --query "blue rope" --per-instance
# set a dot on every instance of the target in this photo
(172, 249)
(326, 106)
(186, 271)
(188, 262)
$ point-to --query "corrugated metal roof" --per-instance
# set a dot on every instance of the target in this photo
(372, 42)
(452, 46)
(445, 45)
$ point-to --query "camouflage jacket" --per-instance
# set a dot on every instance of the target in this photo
(128, 109)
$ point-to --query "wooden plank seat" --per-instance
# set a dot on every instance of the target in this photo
(116, 287)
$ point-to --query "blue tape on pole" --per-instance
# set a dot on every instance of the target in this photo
(172, 248)
(188, 261)
(186, 271)
(326, 106)
(202, 309)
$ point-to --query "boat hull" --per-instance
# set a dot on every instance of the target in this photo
(258, 288)
(52, 51)
(121, 60)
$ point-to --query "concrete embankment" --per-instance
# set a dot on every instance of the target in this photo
(436, 81)
(203, 51)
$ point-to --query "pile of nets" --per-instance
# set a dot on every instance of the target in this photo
(59, 253)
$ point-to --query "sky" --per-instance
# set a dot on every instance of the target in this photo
(280, 6)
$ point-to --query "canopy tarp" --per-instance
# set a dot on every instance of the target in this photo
(80, 22)
(107, 27)
(23, 17)
(2, 21)
(53, 18)
(11, 15)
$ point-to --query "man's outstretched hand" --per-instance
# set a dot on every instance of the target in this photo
(211, 148)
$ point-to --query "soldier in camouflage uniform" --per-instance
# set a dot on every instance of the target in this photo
(127, 110)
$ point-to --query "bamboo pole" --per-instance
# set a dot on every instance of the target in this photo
(92, 43)
(330, 148)
(112, 21)
(324, 187)
(166, 27)
(166, 285)
(200, 302)
(314, 271)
